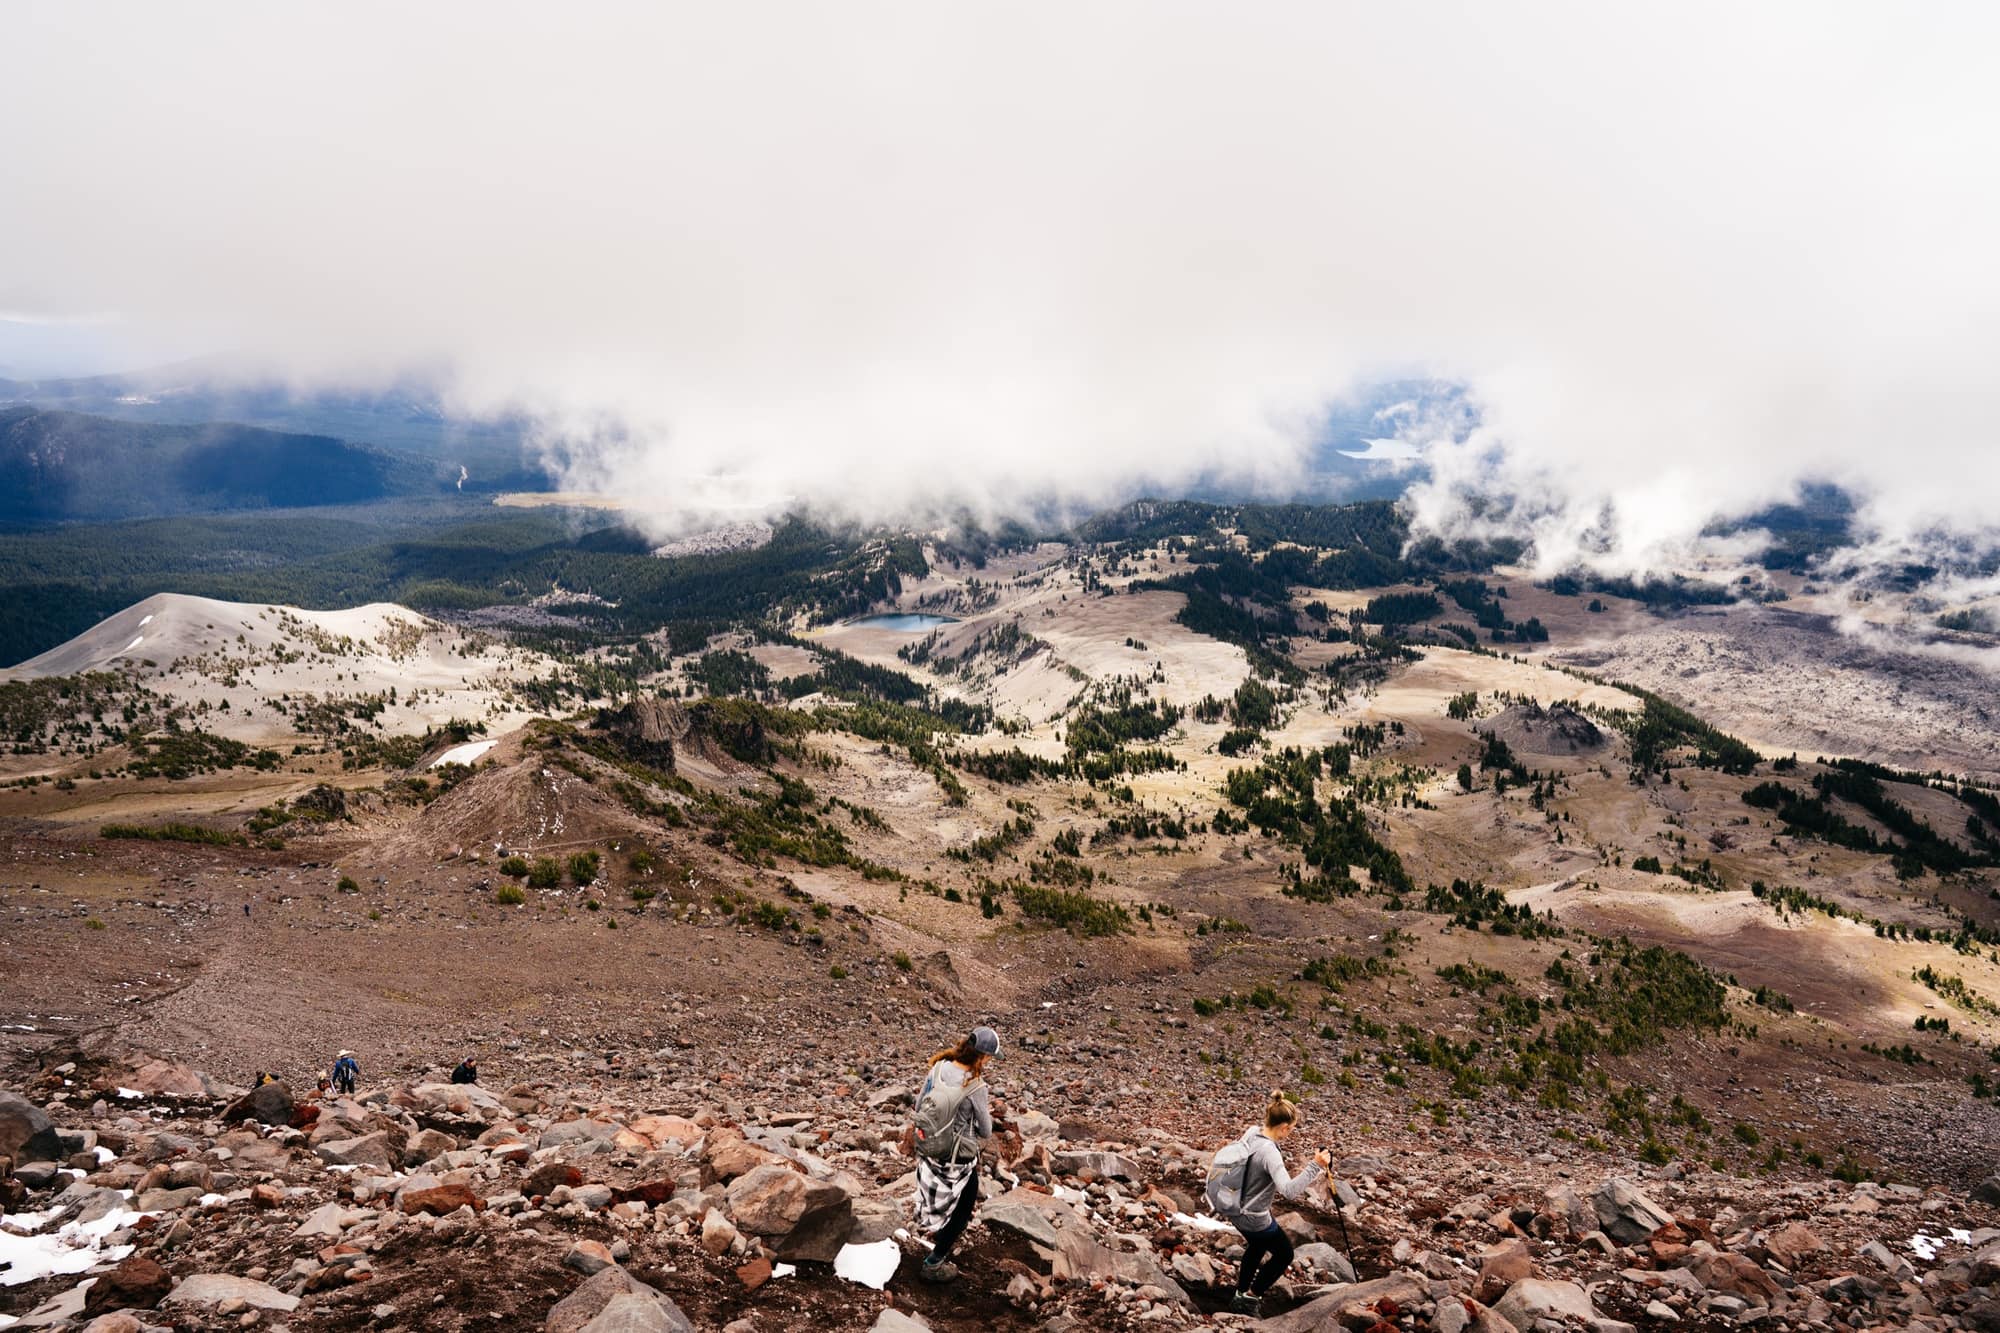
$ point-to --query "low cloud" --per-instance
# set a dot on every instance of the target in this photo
(897, 259)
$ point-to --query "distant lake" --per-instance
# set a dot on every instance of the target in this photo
(903, 622)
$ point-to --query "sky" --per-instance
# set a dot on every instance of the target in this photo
(897, 259)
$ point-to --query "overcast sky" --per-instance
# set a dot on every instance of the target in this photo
(880, 256)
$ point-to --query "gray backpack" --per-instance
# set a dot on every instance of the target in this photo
(1229, 1178)
(940, 1136)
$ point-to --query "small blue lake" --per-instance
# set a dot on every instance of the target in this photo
(903, 622)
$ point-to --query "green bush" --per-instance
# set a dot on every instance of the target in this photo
(346, 884)
(509, 895)
(544, 874)
(515, 866)
(583, 867)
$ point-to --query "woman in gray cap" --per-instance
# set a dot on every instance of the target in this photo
(953, 1116)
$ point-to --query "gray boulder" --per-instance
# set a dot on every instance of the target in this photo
(577, 1311)
(26, 1132)
(215, 1288)
(1625, 1213)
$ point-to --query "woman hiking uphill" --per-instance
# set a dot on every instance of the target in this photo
(1242, 1181)
(954, 1116)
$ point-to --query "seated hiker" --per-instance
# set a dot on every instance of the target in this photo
(1243, 1180)
(467, 1071)
(954, 1115)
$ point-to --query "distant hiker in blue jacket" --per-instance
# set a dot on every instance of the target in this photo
(344, 1073)
(1242, 1182)
(954, 1116)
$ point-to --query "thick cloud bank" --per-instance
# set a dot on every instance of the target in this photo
(893, 257)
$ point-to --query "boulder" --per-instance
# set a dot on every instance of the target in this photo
(660, 1130)
(164, 1078)
(136, 1283)
(1721, 1271)
(718, 1233)
(726, 1154)
(1097, 1165)
(270, 1104)
(577, 1131)
(1792, 1244)
(1501, 1267)
(895, 1321)
(439, 1199)
(1079, 1256)
(1625, 1214)
(26, 1132)
(116, 1322)
(573, 1313)
(1345, 1305)
(1533, 1299)
(545, 1178)
(588, 1257)
(324, 1223)
(426, 1146)
(1021, 1216)
(465, 1099)
(166, 1200)
(808, 1218)
(1323, 1258)
(632, 1312)
(1987, 1191)
(215, 1288)
(365, 1150)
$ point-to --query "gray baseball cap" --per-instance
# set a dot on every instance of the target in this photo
(986, 1041)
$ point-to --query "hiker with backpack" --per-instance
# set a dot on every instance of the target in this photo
(954, 1115)
(1243, 1180)
(344, 1073)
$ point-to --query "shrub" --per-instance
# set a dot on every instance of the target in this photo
(516, 866)
(544, 874)
(175, 833)
(509, 895)
(837, 972)
(346, 884)
(901, 960)
(92, 923)
(583, 867)
(1078, 913)
(1747, 1135)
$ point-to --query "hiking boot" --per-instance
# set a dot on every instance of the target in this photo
(1244, 1303)
(942, 1271)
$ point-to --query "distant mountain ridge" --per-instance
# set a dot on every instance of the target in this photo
(66, 466)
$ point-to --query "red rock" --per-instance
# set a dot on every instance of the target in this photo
(544, 1178)
(587, 1257)
(442, 1199)
(266, 1195)
(137, 1283)
(754, 1274)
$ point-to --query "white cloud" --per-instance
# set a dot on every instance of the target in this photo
(906, 255)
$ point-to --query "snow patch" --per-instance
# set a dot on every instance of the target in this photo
(783, 1270)
(463, 754)
(130, 646)
(870, 1265)
(147, 621)
(129, 1093)
(1202, 1222)
(70, 1249)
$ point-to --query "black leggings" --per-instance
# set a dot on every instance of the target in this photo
(1266, 1256)
(955, 1225)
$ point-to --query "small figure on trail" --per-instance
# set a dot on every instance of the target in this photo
(467, 1071)
(246, 909)
(344, 1073)
(1242, 1181)
(953, 1116)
